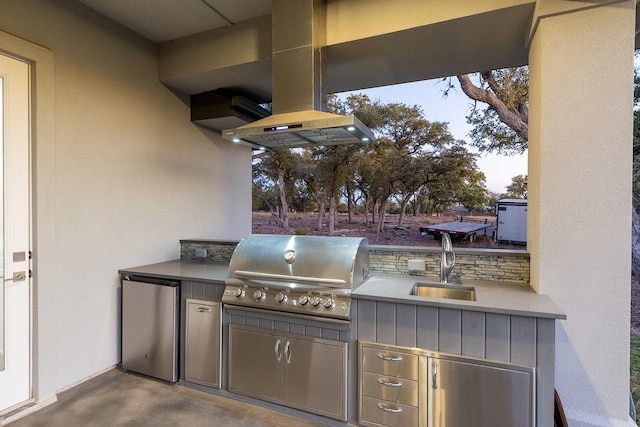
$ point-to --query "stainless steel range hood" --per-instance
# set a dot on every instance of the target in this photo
(299, 100)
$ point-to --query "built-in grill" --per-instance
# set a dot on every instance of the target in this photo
(303, 275)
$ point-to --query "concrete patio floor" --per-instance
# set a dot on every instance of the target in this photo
(117, 398)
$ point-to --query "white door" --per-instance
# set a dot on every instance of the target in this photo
(15, 307)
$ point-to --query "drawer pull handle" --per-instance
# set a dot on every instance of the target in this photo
(385, 408)
(389, 358)
(204, 310)
(385, 381)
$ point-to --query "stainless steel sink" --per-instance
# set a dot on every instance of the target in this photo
(439, 290)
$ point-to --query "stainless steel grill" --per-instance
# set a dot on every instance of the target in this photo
(308, 275)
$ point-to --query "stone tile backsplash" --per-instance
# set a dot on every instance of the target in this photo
(480, 264)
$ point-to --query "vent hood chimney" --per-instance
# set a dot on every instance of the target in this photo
(298, 75)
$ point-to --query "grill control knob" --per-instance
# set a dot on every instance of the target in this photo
(315, 301)
(280, 297)
(329, 303)
(259, 295)
(303, 300)
(238, 293)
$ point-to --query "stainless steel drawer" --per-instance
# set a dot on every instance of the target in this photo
(378, 412)
(390, 388)
(390, 362)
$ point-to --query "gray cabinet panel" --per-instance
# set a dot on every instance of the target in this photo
(313, 331)
(296, 328)
(367, 320)
(265, 323)
(251, 321)
(330, 334)
(203, 291)
(545, 356)
(449, 330)
(406, 325)
(523, 340)
(497, 336)
(473, 333)
(237, 319)
(197, 290)
(386, 322)
(427, 327)
(281, 326)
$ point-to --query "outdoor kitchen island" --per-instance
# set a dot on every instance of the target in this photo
(507, 323)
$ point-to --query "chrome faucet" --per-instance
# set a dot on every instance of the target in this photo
(448, 260)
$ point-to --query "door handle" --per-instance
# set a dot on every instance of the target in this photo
(287, 352)
(204, 310)
(277, 349)
(434, 375)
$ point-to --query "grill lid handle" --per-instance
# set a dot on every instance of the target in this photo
(257, 275)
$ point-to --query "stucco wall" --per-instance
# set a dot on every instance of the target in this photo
(580, 137)
(120, 176)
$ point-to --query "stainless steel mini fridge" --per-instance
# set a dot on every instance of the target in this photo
(150, 326)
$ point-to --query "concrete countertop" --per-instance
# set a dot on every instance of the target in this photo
(493, 297)
(515, 299)
(215, 272)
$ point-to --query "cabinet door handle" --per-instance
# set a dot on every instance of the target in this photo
(389, 358)
(386, 408)
(434, 375)
(385, 381)
(287, 352)
(204, 310)
(277, 349)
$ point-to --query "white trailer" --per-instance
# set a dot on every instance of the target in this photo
(512, 221)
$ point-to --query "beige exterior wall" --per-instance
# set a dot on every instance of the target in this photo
(120, 176)
(580, 136)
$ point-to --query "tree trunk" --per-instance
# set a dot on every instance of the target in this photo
(403, 208)
(382, 207)
(284, 215)
(332, 215)
(349, 204)
(320, 214)
(374, 212)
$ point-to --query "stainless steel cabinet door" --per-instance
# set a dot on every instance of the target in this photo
(477, 395)
(255, 363)
(202, 342)
(315, 376)
(149, 329)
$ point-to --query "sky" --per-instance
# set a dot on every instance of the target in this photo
(453, 109)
